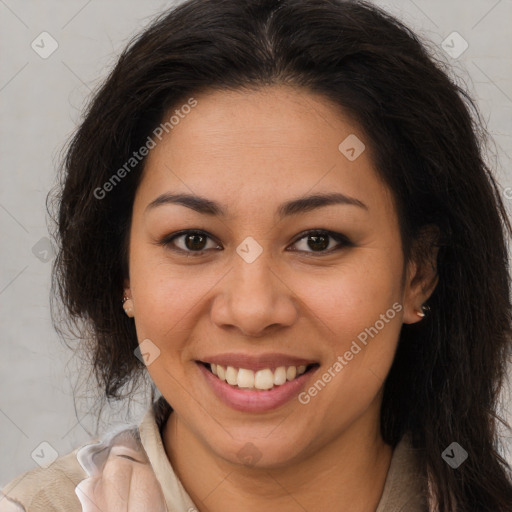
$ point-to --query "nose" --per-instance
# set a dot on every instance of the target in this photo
(254, 299)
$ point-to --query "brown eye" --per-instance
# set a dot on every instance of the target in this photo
(319, 241)
(191, 242)
(195, 242)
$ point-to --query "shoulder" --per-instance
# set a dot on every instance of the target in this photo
(45, 489)
(61, 487)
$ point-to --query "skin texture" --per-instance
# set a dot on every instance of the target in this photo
(252, 151)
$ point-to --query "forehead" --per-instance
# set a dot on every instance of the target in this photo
(262, 145)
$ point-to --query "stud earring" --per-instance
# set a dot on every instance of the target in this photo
(424, 309)
(128, 306)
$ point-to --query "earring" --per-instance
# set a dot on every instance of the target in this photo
(424, 309)
(128, 306)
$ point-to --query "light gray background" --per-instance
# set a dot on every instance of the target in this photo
(40, 105)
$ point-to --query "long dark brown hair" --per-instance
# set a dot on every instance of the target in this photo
(426, 139)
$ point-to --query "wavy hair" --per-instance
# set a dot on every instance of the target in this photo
(426, 138)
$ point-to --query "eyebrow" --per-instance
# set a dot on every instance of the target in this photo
(289, 208)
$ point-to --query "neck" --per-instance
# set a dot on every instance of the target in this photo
(347, 473)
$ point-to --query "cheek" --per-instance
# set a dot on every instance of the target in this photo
(166, 296)
(354, 296)
(362, 308)
(360, 311)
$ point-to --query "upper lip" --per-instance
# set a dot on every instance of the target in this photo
(259, 362)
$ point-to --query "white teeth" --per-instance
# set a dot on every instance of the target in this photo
(231, 375)
(262, 379)
(280, 376)
(291, 372)
(221, 373)
(245, 378)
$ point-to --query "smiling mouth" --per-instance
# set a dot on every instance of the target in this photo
(262, 380)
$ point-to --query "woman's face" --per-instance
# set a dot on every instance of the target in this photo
(253, 290)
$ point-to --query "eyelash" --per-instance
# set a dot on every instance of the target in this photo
(343, 241)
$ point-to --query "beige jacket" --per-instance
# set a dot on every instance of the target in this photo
(125, 457)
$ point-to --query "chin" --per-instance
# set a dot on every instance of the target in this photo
(252, 450)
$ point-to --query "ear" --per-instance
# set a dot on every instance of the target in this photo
(421, 273)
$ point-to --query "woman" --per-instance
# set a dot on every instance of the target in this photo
(289, 202)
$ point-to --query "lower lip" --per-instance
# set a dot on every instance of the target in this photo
(255, 401)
